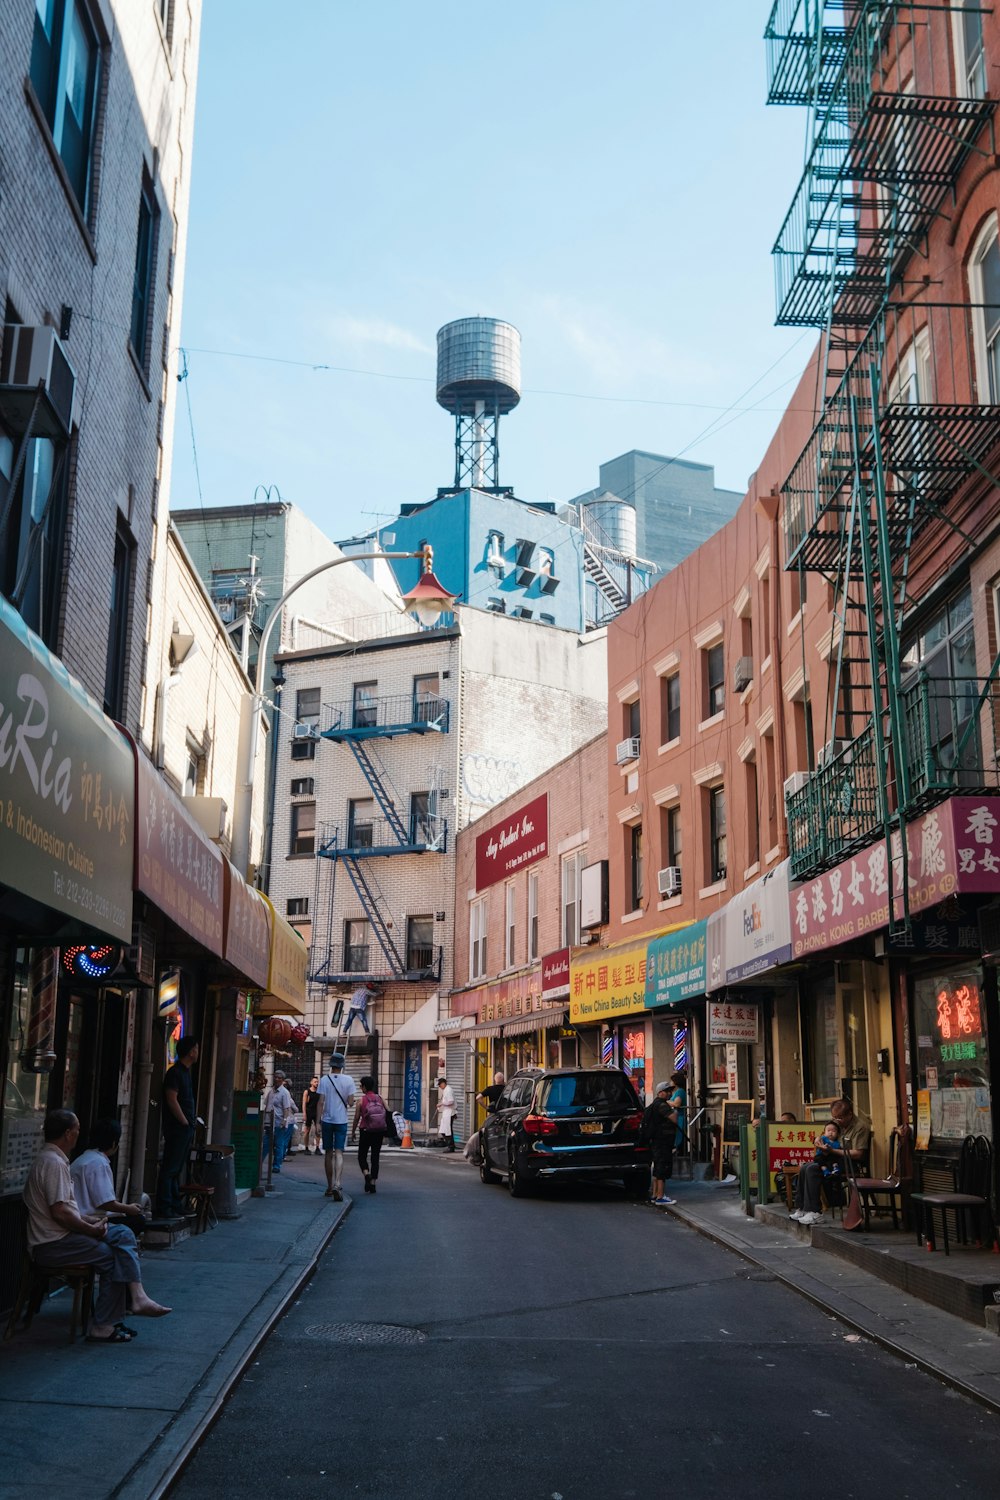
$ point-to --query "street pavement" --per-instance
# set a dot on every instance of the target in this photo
(576, 1346)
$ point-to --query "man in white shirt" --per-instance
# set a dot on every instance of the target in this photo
(446, 1114)
(278, 1101)
(336, 1095)
(59, 1235)
(93, 1178)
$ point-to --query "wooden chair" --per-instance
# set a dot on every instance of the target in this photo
(33, 1286)
(970, 1200)
(896, 1183)
(197, 1200)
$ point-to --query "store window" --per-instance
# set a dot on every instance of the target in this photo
(823, 1062)
(25, 1095)
(951, 1055)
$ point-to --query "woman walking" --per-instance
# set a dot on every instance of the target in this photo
(373, 1118)
(312, 1135)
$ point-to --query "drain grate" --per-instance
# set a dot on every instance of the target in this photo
(366, 1333)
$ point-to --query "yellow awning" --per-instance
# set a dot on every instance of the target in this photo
(287, 971)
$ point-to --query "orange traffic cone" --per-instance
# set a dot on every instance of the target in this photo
(407, 1140)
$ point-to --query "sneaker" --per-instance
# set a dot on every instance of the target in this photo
(664, 1202)
(728, 1179)
(372, 1188)
(812, 1219)
(796, 1213)
(338, 1196)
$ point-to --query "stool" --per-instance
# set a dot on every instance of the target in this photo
(34, 1285)
(198, 1198)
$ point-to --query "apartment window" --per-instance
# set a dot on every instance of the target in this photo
(303, 786)
(717, 833)
(307, 707)
(532, 915)
(477, 938)
(297, 906)
(572, 867)
(984, 276)
(365, 705)
(632, 720)
(673, 836)
(32, 531)
(427, 698)
(945, 649)
(357, 947)
(715, 684)
(142, 281)
(361, 822)
(194, 771)
(65, 64)
(753, 813)
(636, 866)
(421, 822)
(303, 840)
(165, 11)
(118, 612)
(670, 708)
(510, 925)
(419, 943)
(970, 53)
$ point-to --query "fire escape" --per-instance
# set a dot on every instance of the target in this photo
(360, 844)
(897, 442)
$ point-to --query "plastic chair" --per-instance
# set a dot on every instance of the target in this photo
(971, 1198)
(896, 1183)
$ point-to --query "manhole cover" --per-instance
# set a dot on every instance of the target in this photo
(366, 1333)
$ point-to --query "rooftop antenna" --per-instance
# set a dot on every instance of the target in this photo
(478, 381)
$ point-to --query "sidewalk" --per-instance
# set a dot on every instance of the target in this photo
(965, 1357)
(94, 1423)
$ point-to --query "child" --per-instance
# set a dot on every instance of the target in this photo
(830, 1165)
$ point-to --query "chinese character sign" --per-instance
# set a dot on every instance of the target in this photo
(611, 985)
(729, 1021)
(675, 965)
(412, 1081)
(958, 1014)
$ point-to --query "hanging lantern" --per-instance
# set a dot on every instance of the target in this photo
(299, 1033)
(275, 1031)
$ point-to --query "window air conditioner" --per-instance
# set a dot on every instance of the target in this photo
(627, 750)
(33, 357)
(494, 555)
(520, 613)
(669, 881)
(743, 673)
(830, 751)
(306, 732)
(795, 783)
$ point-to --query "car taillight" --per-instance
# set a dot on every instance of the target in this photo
(633, 1122)
(539, 1125)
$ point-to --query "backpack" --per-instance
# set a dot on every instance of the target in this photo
(374, 1115)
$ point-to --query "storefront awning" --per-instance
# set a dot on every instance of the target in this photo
(539, 1020)
(67, 839)
(176, 866)
(287, 970)
(452, 1025)
(247, 936)
(420, 1026)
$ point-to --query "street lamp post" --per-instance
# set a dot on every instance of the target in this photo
(427, 600)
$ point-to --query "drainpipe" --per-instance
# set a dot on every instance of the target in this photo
(769, 506)
(160, 735)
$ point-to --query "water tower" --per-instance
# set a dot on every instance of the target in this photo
(478, 381)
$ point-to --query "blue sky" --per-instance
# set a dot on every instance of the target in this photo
(605, 176)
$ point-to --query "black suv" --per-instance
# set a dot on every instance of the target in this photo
(565, 1122)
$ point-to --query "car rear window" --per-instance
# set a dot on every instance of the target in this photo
(577, 1093)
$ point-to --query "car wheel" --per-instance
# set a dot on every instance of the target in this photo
(637, 1184)
(516, 1185)
(486, 1174)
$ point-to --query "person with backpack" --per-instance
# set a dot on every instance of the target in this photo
(659, 1130)
(373, 1117)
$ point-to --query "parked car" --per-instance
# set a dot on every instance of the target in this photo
(576, 1123)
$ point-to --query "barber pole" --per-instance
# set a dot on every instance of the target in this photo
(43, 984)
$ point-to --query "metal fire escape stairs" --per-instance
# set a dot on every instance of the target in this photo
(885, 455)
(356, 847)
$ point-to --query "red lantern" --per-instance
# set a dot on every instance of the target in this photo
(299, 1033)
(275, 1031)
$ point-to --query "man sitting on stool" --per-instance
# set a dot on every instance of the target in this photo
(59, 1235)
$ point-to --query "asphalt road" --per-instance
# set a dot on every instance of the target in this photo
(457, 1343)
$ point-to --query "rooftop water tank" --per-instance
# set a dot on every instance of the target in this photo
(479, 360)
(613, 522)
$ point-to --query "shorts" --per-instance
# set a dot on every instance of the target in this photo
(334, 1136)
(663, 1161)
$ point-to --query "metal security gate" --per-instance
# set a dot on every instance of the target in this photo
(460, 1060)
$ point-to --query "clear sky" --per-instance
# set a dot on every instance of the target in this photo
(602, 173)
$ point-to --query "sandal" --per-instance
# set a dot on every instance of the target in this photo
(329, 1193)
(133, 1333)
(116, 1336)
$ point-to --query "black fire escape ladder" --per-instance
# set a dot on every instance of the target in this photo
(382, 789)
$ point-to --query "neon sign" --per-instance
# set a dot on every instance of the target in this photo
(958, 1012)
(93, 961)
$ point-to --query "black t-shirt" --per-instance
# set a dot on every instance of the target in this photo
(492, 1093)
(311, 1097)
(178, 1077)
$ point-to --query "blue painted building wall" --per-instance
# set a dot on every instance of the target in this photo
(459, 528)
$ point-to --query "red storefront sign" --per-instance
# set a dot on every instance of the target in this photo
(511, 997)
(519, 840)
(555, 974)
(248, 929)
(953, 848)
(176, 866)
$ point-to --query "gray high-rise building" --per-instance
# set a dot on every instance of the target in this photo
(677, 503)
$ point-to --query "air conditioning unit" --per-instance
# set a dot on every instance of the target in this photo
(627, 750)
(306, 732)
(33, 357)
(495, 606)
(142, 954)
(210, 815)
(668, 881)
(743, 673)
(494, 555)
(520, 613)
(830, 751)
(227, 610)
(795, 783)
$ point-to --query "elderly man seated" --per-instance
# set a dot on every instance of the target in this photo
(59, 1235)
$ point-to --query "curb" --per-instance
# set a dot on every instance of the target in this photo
(154, 1474)
(899, 1351)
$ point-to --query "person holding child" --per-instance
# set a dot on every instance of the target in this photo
(846, 1135)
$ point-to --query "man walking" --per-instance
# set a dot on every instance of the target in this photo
(178, 1128)
(336, 1095)
(359, 1007)
(279, 1106)
(853, 1141)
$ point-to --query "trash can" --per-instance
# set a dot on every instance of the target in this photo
(217, 1170)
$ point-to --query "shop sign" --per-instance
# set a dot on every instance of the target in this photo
(609, 985)
(67, 789)
(413, 1081)
(177, 867)
(675, 966)
(954, 848)
(517, 841)
(286, 975)
(247, 946)
(555, 974)
(730, 1021)
(634, 1047)
(959, 1014)
(756, 933)
(518, 996)
(794, 1143)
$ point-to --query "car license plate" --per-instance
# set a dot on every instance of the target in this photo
(591, 1127)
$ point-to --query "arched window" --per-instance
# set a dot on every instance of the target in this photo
(984, 284)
